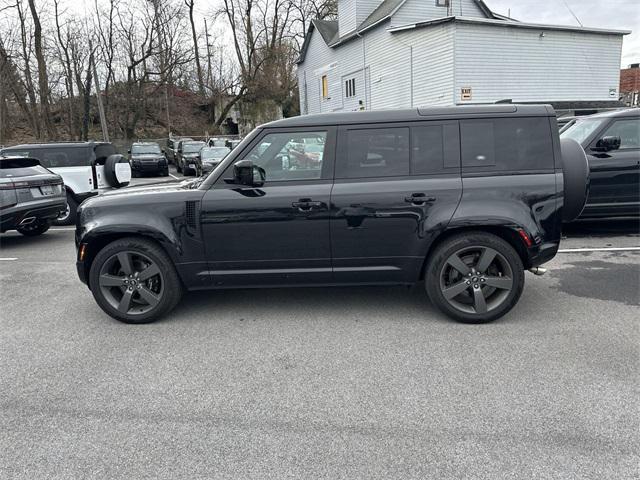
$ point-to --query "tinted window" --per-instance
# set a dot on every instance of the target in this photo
(290, 156)
(147, 148)
(506, 144)
(192, 147)
(15, 171)
(627, 130)
(375, 152)
(57, 157)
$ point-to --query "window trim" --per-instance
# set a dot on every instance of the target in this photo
(442, 3)
(324, 87)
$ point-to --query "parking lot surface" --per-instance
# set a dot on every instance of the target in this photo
(323, 383)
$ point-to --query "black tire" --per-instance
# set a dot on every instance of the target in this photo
(34, 229)
(178, 167)
(69, 216)
(137, 299)
(164, 173)
(110, 170)
(481, 297)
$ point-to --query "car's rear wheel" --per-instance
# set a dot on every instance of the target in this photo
(34, 229)
(134, 281)
(475, 277)
(68, 217)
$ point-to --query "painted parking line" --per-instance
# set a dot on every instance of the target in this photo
(62, 229)
(601, 249)
(7, 259)
(172, 175)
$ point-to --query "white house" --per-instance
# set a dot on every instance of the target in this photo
(404, 53)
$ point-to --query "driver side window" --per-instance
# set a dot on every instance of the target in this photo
(627, 130)
(290, 156)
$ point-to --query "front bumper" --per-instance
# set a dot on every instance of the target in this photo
(149, 166)
(41, 210)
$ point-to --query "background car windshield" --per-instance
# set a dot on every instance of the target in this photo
(192, 147)
(145, 149)
(214, 152)
(581, 130)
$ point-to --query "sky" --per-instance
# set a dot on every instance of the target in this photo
(615, 14)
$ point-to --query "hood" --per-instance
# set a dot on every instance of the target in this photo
(132, 195)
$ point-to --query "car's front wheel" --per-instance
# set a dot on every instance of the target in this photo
(134, 281)
(474, 277)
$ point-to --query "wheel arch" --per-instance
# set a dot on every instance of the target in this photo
(511, 234)
(99, 240)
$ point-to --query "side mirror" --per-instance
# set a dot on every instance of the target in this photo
(608, 143)
(163, 151)
(248, 174)
(128, 151)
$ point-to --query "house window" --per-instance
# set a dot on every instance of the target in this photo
(442, 3)
(325, 87)
(350, 88)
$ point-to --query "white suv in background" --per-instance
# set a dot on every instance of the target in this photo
(85, 167)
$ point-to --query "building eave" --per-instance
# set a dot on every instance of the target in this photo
(503, 24)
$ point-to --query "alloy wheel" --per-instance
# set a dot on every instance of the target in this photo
(131, 282)
(476, 279)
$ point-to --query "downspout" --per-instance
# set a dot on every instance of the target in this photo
(411, 75)
(364, 69)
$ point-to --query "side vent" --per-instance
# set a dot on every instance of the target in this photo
(190, 215)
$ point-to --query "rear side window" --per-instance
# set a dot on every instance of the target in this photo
(375, 152)
(504, 145)
(57, 157)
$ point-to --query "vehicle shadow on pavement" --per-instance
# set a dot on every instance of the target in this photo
(606, 227)
(312, 302)
(12, 242)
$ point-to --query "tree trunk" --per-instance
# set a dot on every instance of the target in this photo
(190, 4)
(43, 80)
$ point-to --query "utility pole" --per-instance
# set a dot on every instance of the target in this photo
(103, 118)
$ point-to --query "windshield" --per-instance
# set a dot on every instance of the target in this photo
(582, 129)
(192, 147)
(153, 148)
(214, 152)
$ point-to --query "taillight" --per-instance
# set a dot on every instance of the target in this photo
(525, 238)
(14, 185)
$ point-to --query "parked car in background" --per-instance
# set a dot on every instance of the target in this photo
(188, 159)
(612, 143)
(172, 148)
(233, 143)
(148, 157)
(217, 142)
(85, 167)
(31, 196)
(465, 199)
(212, 156)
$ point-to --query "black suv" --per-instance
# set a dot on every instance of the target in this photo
(465, 198)
(148, 157)
(612, 143)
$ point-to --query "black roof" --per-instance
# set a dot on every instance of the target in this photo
(422, 113)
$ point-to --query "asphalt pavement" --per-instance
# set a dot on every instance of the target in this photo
(335, 383)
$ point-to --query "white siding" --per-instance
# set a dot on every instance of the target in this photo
(364, 9)
(414, 11)
(346, 16)
(520, 64)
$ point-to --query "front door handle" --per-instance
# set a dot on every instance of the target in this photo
(306, 204)
(419, 199)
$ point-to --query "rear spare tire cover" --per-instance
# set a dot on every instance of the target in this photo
(575, 170)
(117, 171)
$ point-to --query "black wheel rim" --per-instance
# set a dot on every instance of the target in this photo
(131, 283)
(476, 280)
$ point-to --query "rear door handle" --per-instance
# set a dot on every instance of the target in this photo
(419, 199)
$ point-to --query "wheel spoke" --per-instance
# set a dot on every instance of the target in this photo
(149, 272)
(125, 262)
(479, 302)
(503, 283)
(125, 301)
(456, 262)
(151, 298)
(455, 290)
(107, 280)
(487, 256)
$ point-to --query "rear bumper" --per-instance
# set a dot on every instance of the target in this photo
(48, 210)
(149, 167)
(543, 253)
